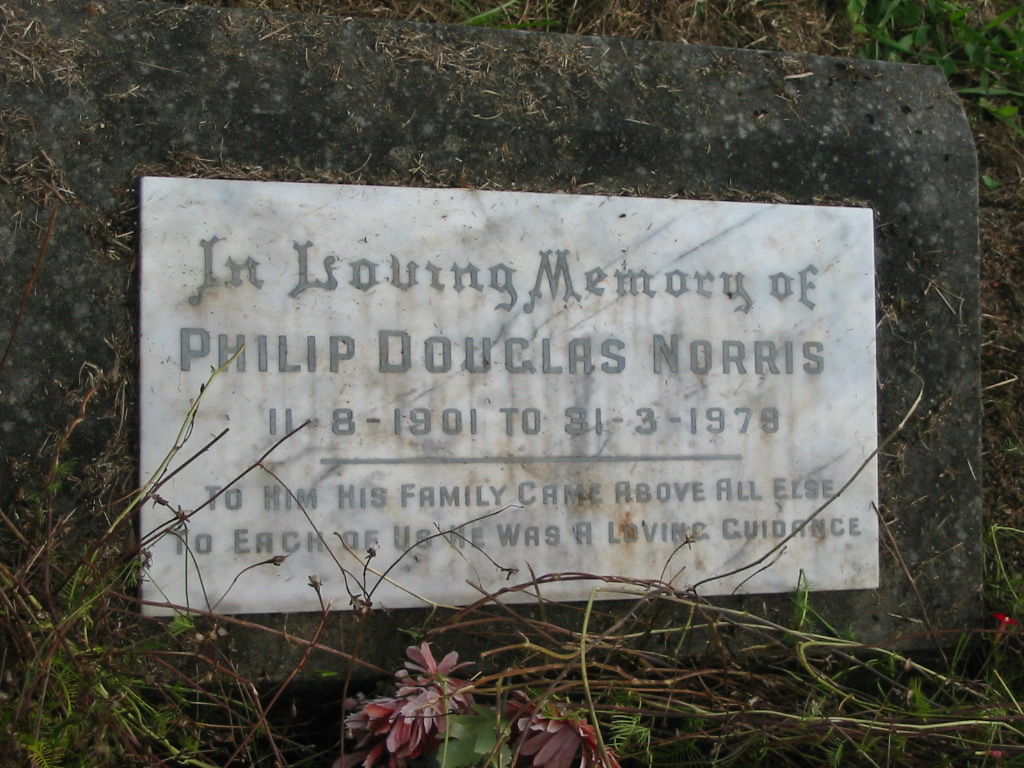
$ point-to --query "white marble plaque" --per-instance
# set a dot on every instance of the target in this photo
(658, 389)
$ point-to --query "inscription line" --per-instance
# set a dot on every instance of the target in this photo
(534, 459)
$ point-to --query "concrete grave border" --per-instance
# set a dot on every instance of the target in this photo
(122, 89)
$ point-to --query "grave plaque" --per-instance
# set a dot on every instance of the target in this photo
(484, 383)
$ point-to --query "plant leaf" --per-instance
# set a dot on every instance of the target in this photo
(472, 739)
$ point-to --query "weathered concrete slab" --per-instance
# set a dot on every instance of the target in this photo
(122, 90)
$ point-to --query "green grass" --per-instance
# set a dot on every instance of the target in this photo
(500, 16)
(980, 53)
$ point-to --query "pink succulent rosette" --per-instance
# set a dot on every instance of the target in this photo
(554, 739)
(398, 730)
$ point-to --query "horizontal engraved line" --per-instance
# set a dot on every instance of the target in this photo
(534, 459)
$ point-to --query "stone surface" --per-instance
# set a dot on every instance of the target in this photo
(125, 90)
(570, 383)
